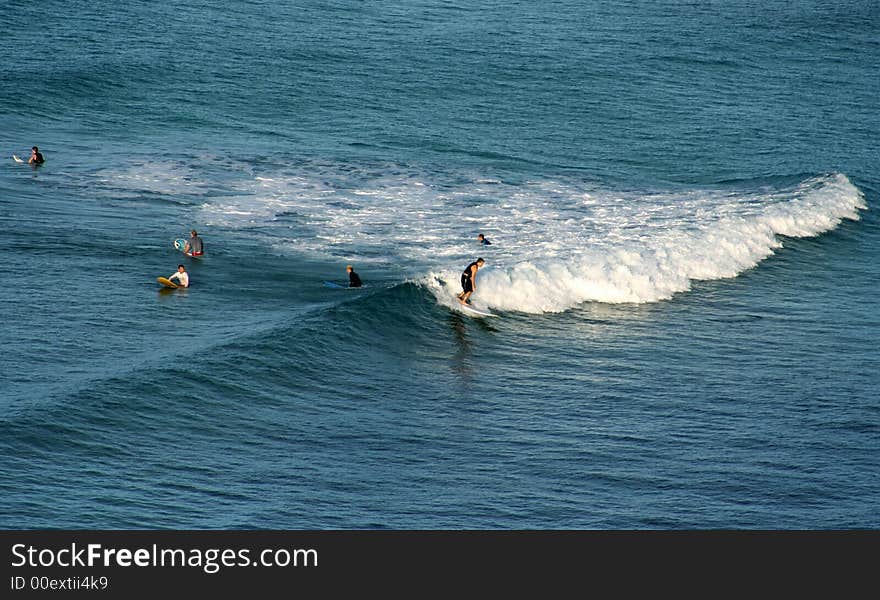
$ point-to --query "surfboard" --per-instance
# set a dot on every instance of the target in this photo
(341, 286)
(17, 159)
(180, 244)
(473, 310)
(167, 283)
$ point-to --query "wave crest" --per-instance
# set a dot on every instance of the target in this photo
(655, 264)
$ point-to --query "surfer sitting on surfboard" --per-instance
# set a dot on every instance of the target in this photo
(469, 280)
(484, 240)
(36, 158)
(354, 279)
(181, 276)
(194, 246)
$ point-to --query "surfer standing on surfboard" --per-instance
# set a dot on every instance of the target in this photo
(181, 276)
(36, 158)
(469, 280)
(194, 246)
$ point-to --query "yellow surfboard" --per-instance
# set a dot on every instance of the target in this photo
(167, 283)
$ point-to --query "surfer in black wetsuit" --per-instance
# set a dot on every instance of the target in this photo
(36, 157)
(484, 240)
(469, 280)
(354, 279)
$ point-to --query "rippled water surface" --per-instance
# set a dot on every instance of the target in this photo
(680, 198)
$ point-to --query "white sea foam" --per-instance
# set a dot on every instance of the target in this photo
(660, 257)
(164, 177)
(556, 243)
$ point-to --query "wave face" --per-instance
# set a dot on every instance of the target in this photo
(649, 248)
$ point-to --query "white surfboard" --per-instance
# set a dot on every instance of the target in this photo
(473, 310)
(17, 159)
(180, 244)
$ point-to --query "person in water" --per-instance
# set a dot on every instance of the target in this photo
(469, 280)
(181, 276)
(36, 157)
(484, 240)
(354, 279)
(194, 245)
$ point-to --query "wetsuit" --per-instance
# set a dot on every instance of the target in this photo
(467, 284)
(354, 280)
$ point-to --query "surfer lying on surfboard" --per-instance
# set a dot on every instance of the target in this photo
(469, 280)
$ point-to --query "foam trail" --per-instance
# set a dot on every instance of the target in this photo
(655, 266)
(559, 241)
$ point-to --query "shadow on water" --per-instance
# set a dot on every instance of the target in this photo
(461, 358)
(166, 293)
(462, 328)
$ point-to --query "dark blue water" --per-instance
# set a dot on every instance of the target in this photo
(684, 265)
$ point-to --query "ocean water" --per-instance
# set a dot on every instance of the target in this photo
(681, 198)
